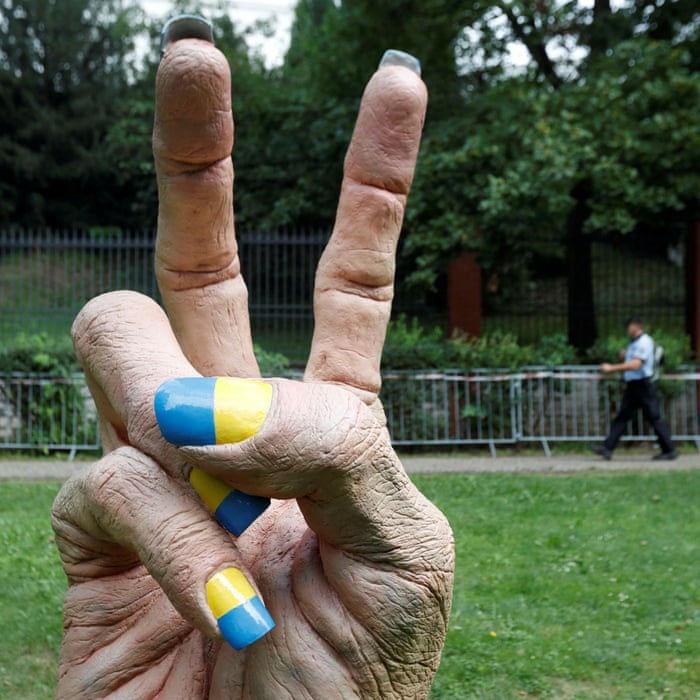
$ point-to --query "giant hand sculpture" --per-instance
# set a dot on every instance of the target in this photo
(351, 562)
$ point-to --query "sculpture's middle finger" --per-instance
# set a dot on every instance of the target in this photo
(197, 261)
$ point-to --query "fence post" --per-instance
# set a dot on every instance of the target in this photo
(464, 295)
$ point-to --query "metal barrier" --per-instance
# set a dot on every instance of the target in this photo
(577, 403)
(46, 412)
(535, 405)
(451, 408)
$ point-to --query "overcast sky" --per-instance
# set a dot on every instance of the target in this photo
(244, 13)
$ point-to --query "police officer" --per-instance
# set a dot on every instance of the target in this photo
(637, 369)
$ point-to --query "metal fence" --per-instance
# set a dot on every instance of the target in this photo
(47, 413)
(536, 405)
(632, 274)
(47, 276)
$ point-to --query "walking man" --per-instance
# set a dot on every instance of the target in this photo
(637, 369)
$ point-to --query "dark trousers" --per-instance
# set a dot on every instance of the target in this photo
(639, 393)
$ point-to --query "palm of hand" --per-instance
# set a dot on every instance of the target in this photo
(353, 563)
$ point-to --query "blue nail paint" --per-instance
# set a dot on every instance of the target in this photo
(185, 411)
(246, 623)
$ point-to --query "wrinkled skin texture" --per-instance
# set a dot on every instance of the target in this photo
(354, 564)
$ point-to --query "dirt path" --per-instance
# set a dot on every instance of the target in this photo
(57, 470)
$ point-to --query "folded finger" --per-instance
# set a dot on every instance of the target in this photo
(282, 439)
(355, 278)
(127, 500)
(288, 430)
(197, 261)
(127, 348)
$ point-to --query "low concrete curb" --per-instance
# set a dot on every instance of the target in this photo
(57, 470)
(567, 464)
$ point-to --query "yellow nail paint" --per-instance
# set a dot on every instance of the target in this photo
(234, 509)
(240, 409)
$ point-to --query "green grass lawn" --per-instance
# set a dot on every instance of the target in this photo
(567, 587)
(31, 589)
(573, 587)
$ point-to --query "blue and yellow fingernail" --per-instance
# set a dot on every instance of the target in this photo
(234, 509)
(200, 411)
(241, 615)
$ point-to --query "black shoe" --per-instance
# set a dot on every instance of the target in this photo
(601, 450)
(666, 456)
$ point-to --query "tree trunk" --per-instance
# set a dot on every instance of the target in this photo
(579, 272)
(464, 296)
(692, 286)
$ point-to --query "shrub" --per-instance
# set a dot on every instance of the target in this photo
(52, 412)
(410, 346)
(554, 350)
(38, 353)
(676, 349)
(495, 350)
(272, 364)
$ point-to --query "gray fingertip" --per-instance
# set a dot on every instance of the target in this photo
(392, 57)
(185, 27)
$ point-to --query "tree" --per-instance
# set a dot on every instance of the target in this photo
(585, 140)
(335, 48)
(64, 69)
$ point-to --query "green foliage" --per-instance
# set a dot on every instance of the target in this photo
(553, 350)
(676, 347)
(38, 353)
(345, 47)
(128, 146)
(64, 69)
(606, 126)
(508, 167)
(495, 350)
(409, 345)
(569, 147)
(271, 364)
(51, 411)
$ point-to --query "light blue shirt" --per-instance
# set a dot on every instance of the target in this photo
(641, 348)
